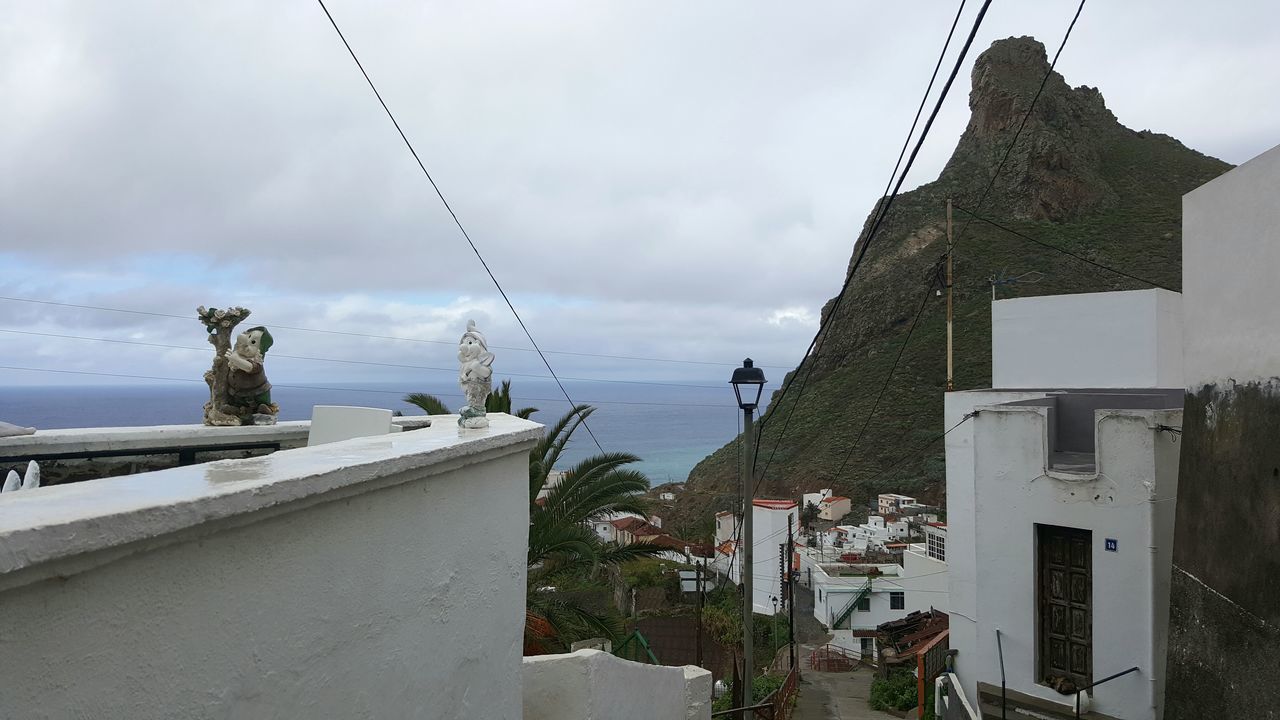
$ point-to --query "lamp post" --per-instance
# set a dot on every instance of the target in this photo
(748, 384)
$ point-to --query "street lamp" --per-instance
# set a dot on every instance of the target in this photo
(743, 379)
(748, 384)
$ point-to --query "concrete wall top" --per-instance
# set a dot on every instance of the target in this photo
(591, 685)
(1091, 340)
(1230, 252)
(292, 433)
(62, 521)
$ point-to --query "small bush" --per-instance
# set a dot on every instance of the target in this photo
(897, 692)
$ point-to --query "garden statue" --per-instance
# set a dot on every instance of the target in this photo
(239, 393)
(475, 376)
(27, 482)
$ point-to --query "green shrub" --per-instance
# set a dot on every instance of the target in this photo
(897, 692)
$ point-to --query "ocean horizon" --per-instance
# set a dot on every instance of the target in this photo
(670, 426)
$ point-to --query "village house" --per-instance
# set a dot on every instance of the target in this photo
(834, 508)
(1060, 501)
(852, 599)
(892, 503)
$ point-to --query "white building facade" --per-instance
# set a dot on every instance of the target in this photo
(1060, 502)
(852, 600)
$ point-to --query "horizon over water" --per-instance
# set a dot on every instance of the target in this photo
(669, 428)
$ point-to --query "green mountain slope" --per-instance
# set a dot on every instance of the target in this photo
(1076, 178)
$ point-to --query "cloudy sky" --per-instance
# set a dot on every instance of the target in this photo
(679, 180)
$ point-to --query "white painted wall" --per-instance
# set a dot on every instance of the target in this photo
(962, 557)
(768, 530)
(1123, 339)
(1129, 499)
(347, 580)
(726, 523)
(594, 685)
(1230, 253)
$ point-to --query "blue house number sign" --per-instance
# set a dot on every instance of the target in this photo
(1112, 545)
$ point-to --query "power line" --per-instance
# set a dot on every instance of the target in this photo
(340, 360)
(339, 389)
(928, 293)
(275, 326)
(456, 221)
(1064, 251)
(871, 234)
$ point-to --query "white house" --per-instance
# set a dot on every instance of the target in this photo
(892, 503)
(1060, 502)
(834, 508)
(815, 498)
(850, 600)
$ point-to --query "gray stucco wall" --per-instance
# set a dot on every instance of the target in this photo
(1224, 618)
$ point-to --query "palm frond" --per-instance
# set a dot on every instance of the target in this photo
(430, 404)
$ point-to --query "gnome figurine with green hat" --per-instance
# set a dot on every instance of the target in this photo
(247, 386)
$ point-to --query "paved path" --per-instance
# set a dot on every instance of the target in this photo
(837, 696)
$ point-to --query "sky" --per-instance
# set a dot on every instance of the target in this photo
(676, 181)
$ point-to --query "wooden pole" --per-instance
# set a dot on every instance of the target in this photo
(951, 385)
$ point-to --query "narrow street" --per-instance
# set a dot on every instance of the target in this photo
(836, 696)
(827, 695)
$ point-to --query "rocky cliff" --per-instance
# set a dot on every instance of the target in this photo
(1076, 178)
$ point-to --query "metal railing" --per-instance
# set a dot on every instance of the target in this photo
(639, 649)
(931, 661)
(775, 706)
(848, 609)
(1003, 701)
(1091, 686)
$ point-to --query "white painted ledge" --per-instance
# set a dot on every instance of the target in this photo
(591, 685)
(288, 434)
(67, 521)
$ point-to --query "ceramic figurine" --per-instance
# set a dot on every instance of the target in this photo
(239, 393)
(29, 481)
(475, 377)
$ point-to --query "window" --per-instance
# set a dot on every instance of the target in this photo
(937, 547)
(897, 600)
(864, 604)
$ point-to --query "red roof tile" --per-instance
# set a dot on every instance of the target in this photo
(774, 504)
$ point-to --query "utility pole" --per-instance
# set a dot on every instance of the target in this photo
(698, 584)
(950, 312)
(791, 598)
(748, 539)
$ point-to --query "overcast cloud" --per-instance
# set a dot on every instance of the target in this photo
(661, 179)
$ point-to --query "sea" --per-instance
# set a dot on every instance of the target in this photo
(670, 425)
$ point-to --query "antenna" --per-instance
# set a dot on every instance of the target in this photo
(1002, 278)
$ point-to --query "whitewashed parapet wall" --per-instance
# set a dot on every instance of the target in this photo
(594, 685)
(348, 580)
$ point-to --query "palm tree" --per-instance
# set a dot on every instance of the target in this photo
(563, 547)
(499, 401)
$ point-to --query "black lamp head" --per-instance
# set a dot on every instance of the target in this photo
(746, 377)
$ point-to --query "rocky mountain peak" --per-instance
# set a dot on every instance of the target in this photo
(1054, 170)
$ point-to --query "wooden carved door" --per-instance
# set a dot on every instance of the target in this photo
(1065, 595)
